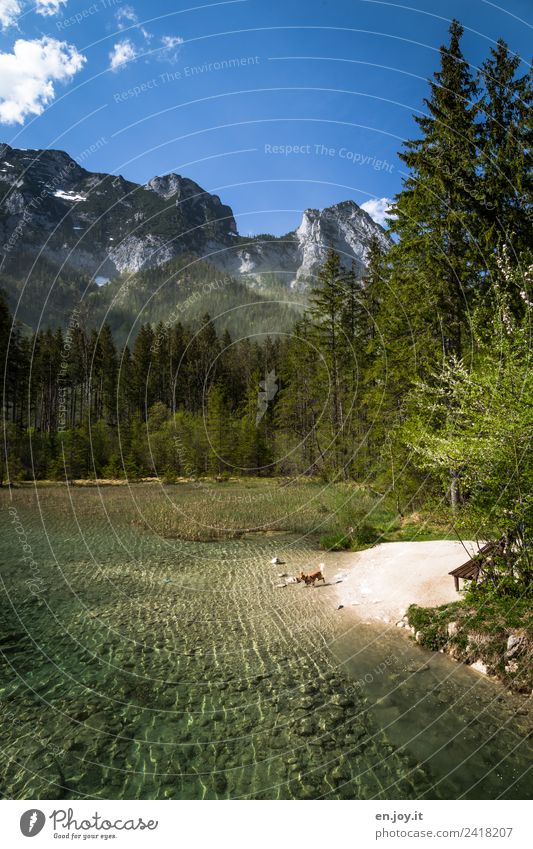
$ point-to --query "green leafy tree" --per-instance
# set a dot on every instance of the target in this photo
(478, 420)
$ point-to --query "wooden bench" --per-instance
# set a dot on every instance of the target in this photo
(469, 571)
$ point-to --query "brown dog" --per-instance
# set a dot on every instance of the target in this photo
(310, 579)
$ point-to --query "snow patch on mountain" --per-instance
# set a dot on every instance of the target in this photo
(72, 196)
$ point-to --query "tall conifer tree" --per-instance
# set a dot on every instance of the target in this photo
(435, 259)
(506, 143)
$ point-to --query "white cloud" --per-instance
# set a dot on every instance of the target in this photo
(126, 17)
(126, 51)
(170, 50)
(49, 7)
(28, 74)
(378, 209)
(9, 11)
(139, 39)
(122, 53)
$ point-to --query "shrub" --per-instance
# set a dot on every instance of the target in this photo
(431, 623)
(336, 542)
(366, 534)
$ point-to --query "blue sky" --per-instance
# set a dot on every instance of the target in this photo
(275, 105)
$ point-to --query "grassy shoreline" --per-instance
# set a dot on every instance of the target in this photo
(335, 516)
(493, 636)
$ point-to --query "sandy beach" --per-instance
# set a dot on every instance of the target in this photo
(380, 583)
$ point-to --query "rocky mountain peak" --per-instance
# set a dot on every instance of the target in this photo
(199, 206)
(174, 185)
(343, 227)
(103, 225)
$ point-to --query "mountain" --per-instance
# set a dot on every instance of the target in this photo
(103, 225)
(296, 257)
(65, 231)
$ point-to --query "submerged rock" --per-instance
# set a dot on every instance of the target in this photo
(306, 727)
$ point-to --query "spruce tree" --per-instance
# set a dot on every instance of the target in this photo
(219, 430)
(506, 143)
(143, 376)
(109, 374)
(327, 300)
(435, 260)
(301, 400)
(254, 450)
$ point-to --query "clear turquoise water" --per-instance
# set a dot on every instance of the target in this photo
(151, 668)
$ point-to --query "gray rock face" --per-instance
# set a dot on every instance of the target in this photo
(104, 225)
(344, 227)
(135, 253)
(172, 185)
(297, 257)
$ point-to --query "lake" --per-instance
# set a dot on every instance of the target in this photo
(136, 666)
